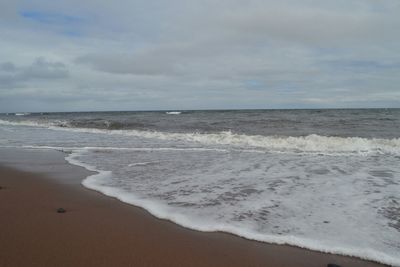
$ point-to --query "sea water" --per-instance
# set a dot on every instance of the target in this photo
(326, 180)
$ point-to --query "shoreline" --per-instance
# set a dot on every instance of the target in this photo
(103, 231)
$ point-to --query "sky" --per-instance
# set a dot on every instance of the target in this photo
(167, 54)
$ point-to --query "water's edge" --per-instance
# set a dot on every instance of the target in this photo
(90, 182)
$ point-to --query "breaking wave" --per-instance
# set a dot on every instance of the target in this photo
(308, 144)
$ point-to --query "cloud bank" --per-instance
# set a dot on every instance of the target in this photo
(137, 55)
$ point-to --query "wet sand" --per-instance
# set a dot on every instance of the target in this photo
(100, 231)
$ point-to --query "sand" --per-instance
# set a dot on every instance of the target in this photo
(97, 230)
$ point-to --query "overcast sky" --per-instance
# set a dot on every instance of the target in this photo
(139, 55)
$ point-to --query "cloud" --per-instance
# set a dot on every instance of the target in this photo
(7, 67)
(12, 76)
(200, 54)
(139, 64)
(309, 25)
(43, 69)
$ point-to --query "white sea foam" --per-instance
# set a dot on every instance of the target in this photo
(105, 148)
(167, 213)
(161, 210)
(173, 112)
(24, 123)
(141, 163)
(310, 144)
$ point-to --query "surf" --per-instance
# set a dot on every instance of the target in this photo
(312, 143)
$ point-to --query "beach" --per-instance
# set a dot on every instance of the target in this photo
(200, 133)
(97, 230)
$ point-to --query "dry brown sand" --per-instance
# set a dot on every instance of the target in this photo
(100, 231)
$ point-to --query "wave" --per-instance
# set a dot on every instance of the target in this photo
(163, 211)
(108, 148)
(141, 163)
(300, 144)
(173, 112)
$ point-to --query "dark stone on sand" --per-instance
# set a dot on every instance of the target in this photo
(1, 187)
(61, 210)
(326, 221)
(333, 265)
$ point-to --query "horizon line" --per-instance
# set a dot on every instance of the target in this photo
(183, 110)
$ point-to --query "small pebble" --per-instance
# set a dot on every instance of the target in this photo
(61, 210)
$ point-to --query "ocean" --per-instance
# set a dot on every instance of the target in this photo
(326, 180)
